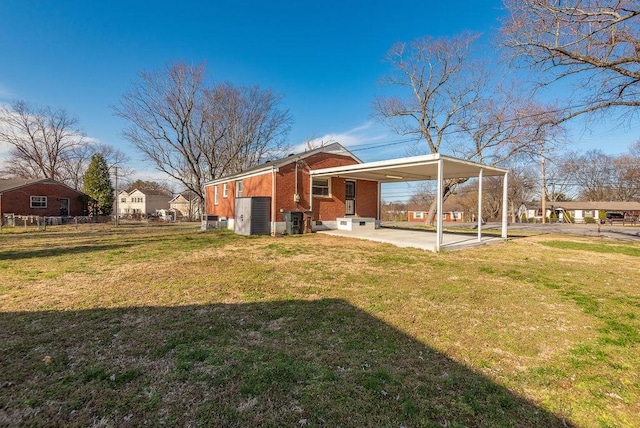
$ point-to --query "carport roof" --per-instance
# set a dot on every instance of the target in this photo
(415, 168)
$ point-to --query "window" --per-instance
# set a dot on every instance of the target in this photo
(215, 195)
(225, 190)
(38, 202)
(123, 200)
(418, 215)
(239, 189)
(320, 187)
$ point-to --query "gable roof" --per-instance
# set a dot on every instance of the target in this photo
(8, 184)
(150, 192)
(598, 205)
(187, 195)
(334, 148)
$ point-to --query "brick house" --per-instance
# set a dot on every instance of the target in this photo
(450, 212)
(40, 197)
(287, 183)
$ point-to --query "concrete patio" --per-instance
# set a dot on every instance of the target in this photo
(424, 240)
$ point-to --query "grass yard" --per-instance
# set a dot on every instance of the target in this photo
(163, 325)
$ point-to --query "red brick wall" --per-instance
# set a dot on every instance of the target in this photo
(448, 216)
(330, 208)
(18, 201)
(259, 185)
(323, 208)
(414, 219)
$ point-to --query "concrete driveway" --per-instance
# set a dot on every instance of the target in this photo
(405, 234)
(423, 239)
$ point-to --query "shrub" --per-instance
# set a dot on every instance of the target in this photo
(589, 220)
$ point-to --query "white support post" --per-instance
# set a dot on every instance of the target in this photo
(480, 205)
(505, 198)
(379, 200)
(439, 206)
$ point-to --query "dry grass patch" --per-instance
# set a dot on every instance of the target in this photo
(165, 325)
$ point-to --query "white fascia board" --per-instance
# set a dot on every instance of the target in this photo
(241, 176)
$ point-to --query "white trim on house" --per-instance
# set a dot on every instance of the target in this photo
(421, 168)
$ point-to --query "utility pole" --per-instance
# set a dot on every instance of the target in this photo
(543, 198)
(117, 199)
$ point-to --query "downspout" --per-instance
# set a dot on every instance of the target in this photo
(273, 202)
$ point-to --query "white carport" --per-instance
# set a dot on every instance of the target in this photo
(422, 168)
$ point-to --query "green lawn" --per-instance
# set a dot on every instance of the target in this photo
(163, 325)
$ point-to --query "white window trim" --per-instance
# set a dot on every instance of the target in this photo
(239, 188)
(225, 190)
(41, 199)
(215, 195)
(418, 215)
(328, 180)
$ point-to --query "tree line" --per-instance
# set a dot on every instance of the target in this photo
(446, 93)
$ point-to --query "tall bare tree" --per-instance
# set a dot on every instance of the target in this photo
(195, 133)
(594, 44)
(77, 162)
(41, 140)
(449, 100)
(592, 173)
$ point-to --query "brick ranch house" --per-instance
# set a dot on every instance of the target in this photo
(40, 197)
(450, 212)
(287, 184)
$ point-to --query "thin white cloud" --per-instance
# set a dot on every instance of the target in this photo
(361, 134)
(5, 93)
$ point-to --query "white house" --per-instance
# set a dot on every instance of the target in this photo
(579, 211)
(187, 205)
(142, 202)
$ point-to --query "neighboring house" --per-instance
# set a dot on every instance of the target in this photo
(418, 213)
(286, 183)
(186, 205)
(142, 202)
(579, 211)
(40, 197)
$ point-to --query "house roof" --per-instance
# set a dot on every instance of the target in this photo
(7, 184)
(447, 206)
(335, 148)
(597, 205)
(150, 192)
(187, 195)
(415, 168)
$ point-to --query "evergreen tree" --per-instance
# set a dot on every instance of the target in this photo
(97, 184)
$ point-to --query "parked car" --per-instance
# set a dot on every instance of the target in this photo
(611, 217)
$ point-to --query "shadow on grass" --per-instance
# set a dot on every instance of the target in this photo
(283, 363)
(57, 251)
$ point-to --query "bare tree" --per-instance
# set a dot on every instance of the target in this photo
(41, 140)
(449, 100)
(594, 44)
(77, 162)
(592, 173)
(438, 81)
(195, 133)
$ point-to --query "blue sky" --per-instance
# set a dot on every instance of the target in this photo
(325, 57)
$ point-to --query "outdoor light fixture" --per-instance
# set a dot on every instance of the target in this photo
(397, 177)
